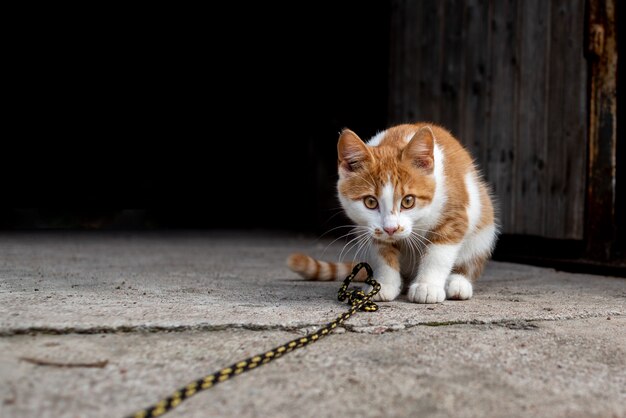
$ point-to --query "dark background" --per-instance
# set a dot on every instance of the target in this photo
(168, 118)
(158, 118)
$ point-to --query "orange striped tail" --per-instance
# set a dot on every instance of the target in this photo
(313, 269)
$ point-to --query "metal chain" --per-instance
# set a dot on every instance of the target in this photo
(357, 299)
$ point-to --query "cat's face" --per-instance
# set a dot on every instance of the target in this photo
(388, 188)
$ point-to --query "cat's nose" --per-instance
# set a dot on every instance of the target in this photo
(390, 229)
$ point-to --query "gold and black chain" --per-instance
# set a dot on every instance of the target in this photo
(357, 299)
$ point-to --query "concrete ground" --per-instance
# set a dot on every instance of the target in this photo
(157, 310)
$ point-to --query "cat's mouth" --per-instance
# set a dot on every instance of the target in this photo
(386, 238)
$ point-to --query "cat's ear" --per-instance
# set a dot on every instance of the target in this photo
(420, 148)
(351, 151)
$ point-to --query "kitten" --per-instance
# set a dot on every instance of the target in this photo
(421, 210)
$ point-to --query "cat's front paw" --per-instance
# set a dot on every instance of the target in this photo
(458, 287)
(387, 292)
(426, 293)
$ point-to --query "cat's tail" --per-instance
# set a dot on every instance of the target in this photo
(313, 269)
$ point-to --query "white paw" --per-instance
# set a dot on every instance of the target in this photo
(458, 287)
(387, 293)
(426, 293)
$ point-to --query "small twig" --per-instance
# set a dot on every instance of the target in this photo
(39, 362)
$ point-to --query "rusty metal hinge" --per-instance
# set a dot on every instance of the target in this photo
(596, 39)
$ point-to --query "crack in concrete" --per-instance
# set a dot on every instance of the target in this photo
(517, 324)
(122, 329)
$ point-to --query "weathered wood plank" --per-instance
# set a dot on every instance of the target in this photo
(430, 28)
(474, 96)
(452, 66)
(406, 61)
(396, 61)
(414, 59)
(503, 110)
(567, 122)
(529, 188)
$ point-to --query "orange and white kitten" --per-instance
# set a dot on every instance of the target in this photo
(421, 209)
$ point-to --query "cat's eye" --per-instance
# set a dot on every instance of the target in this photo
(370, 202)
(408, 201)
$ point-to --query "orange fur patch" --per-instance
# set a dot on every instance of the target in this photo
(473, 268)
(298, 262)
(391, 254)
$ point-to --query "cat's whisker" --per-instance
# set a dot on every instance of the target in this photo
(365, 245)
(413, 247)
(339, 212)
(408, 250)
(332, 229)
(362, 238)
(428, 231)
(361, 241)
(357, 239)
(355, 244)
(356, 229)
(417, 240)
(338, 238)
(421, 237)
(419, 246)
